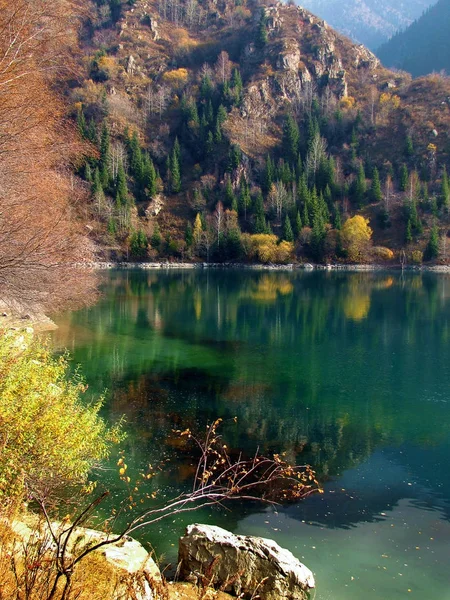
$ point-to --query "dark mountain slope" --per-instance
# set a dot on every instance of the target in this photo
(370, 22)
(423, 47)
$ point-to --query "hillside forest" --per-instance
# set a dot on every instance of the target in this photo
(230, 131)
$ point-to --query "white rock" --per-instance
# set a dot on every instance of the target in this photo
(246, 563)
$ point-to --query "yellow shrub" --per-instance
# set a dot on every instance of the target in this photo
(176, 78)
(50, 438)
(383, 253)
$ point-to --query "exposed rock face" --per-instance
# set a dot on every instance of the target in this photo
(155, 206)
(142, 580)
(131, 65)
(245, 562)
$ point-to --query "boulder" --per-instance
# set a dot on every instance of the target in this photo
(243, 564)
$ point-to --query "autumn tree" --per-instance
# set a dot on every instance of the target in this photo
(355, 237)
(39, 238)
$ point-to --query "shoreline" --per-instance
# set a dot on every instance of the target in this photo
(104, 265)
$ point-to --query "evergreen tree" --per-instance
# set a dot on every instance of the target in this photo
(298, 224)
(244, 198)
(261, 34)
(81, 124)
(122, 197)
(432, 249)
(229, 194)
(105, 145)
(375, 188)
(288, 234)
(337, 222)
(404, 177)
(136, 162)
(290, 141)
(268, 175)
(359, 187)
(97, 184)
(260, 219)
(92, 132)
(408, 233)
(235, 157)
(149, 176)
(138, 244)
(155, 240)
(88, 172)
(237, 86)
(409, 148)
(188, 235)
(206, 88)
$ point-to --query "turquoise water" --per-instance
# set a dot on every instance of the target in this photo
(346, 371)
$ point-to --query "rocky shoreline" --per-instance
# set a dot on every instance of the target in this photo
(262, 267)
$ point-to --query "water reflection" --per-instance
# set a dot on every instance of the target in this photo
(349, 372)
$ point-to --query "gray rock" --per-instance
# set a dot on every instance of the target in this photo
(244, 564)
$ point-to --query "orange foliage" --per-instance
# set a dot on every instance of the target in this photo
(39, 240)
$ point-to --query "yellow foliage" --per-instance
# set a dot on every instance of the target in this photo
(355, 237)
(50, 438)
(347, 102)
(390, 99)
(416, 257)
(264, 248)
(357, 306)
(383, 253)
(176, 78)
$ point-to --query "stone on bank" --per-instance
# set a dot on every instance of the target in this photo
(243, 564)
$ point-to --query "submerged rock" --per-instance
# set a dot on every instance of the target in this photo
(243, 564)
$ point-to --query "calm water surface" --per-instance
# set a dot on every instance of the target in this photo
(348, 372)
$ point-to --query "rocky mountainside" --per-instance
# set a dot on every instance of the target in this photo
(423, 47)
(214, 123)
(370, 22)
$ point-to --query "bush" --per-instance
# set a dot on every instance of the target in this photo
(50, 438)
(416, 257)
(382, 253)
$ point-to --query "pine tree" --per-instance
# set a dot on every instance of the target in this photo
(337, 223)
(92, 132)
(298, 223)
(206, 88)
(237, 86)
(260, 219)
(235, 157)
(359, 187)
(244, 198)
(229, 194)
(174, 169)
(375, 188)
(290, 141)
(404, 177)
(81, 124)
(122, 197)
(149, 176)
(268, 175)
(261, 34)
(105, 145)
(408, 233)
(188, 235)
(409, 148)
(432, 249)
(288, 234)
(155, 240)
